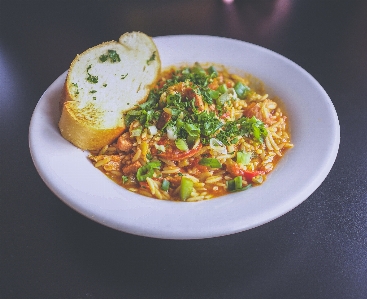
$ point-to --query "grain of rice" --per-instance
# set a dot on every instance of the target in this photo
(142, 161)
(274, 145)
(250, 167)
(168, 162)
(262, 155)
(195, 198)
(264, 97)
(268, 159)
(183, 163)
(137, 155)
(269, 166)
(144, 192)
(278, 123)
(221, 184)
(247, 145)
(116, 172)
(204, 175)
(275, 135)
(158, 194)
(171, 169)
(267, 142)
(102, 162)
(213, 179)
(151, 185)
(232, 113)
(239, 104)
(103, 150)
(165, 195)
(238, 114)
(194, 193)
(194, 179)
(288, 145)
(228, 156)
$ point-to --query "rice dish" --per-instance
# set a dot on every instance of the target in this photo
(203, 132)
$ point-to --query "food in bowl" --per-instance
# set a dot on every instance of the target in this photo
(202, 132)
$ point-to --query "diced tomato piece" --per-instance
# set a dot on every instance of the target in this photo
(249, 175)
(174, 154)
(235, 170)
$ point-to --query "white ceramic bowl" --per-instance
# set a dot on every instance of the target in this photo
(315, 134)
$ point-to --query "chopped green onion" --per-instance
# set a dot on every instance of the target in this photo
(225, 97)
(238, 182)
(165, 185)
(214, 94)
(222, 88)
(236, 185)
(241, 90)
(181, 145)
(243, 158)
(230, 185)
(155, 164)
(124, 179)
(147, 170)
(186, 188)
(211, 162)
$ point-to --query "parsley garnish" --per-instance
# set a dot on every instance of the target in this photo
(112, 55)
(152, 58)
(91, 78)
(147, 170)
(77, 89)
(249, 127)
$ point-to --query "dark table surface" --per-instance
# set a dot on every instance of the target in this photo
(317, 250)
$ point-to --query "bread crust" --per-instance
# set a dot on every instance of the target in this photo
(84, 125)
(81, 133)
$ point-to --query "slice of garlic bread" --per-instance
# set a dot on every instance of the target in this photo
(102, 83)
